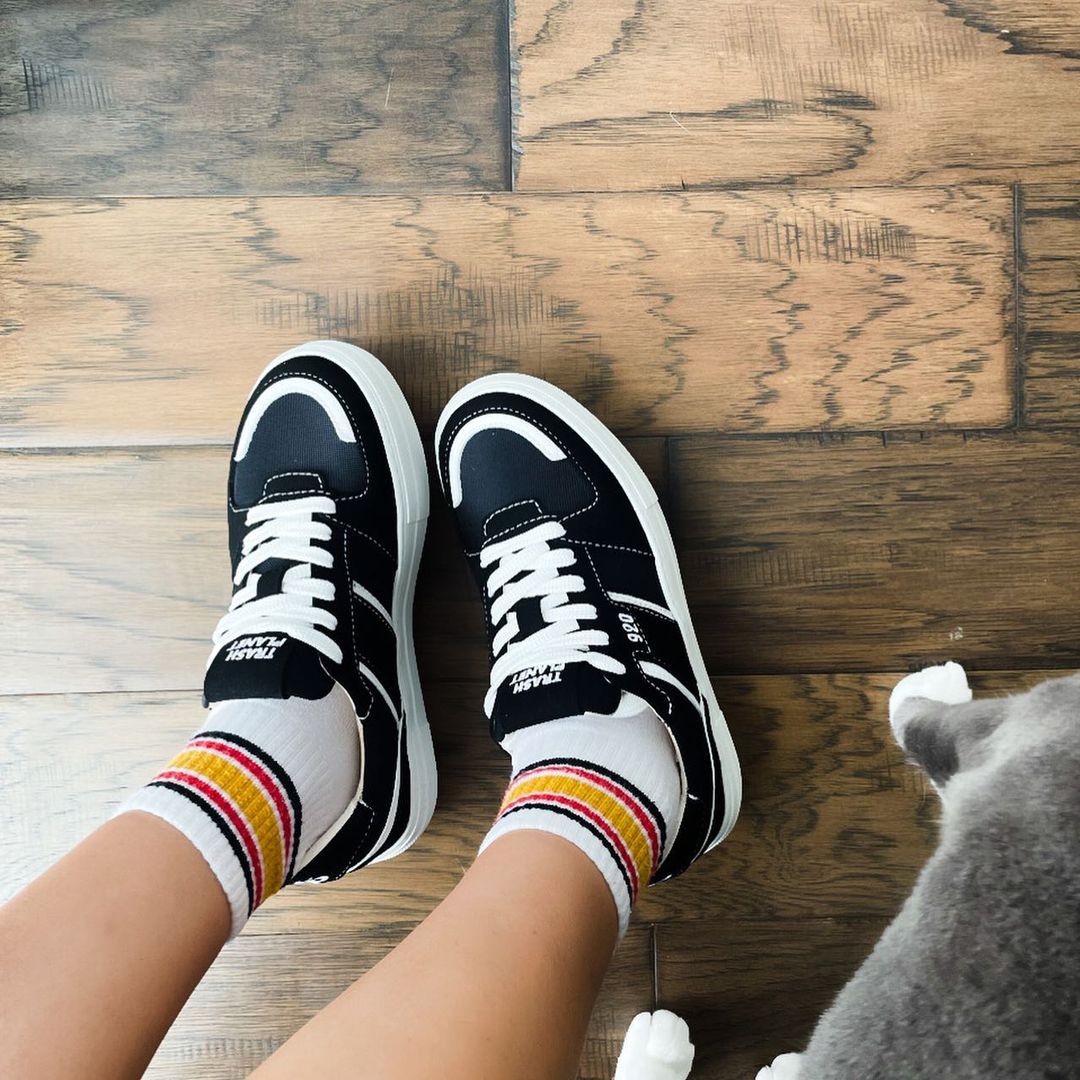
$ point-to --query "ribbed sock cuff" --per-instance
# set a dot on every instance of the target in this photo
(598, 811)
(238, 806)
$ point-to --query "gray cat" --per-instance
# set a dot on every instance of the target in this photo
(978, 977)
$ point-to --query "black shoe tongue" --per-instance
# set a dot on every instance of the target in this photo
(266, 666)
(551, 692)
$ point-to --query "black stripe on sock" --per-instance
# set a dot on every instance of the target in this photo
(216, 817)
(279, 772)
(578, 763)
(590, 827)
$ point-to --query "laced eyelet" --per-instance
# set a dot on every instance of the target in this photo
(528, 566)
(288, 531)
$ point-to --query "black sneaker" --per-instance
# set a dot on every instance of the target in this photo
(328, 503)
(581, 586)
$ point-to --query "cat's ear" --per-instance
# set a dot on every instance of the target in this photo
(937, 724)
(926, 736)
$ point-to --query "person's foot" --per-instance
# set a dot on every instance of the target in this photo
(316, 758)
(597, 677)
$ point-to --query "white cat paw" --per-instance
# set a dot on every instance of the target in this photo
(785, 1067)
(946, 683)
(657, 1047)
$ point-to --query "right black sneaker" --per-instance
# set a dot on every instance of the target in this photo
(581, 587)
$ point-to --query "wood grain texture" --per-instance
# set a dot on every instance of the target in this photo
(145, 321)
(799, 554)
(1050, 303)
(752, 989)
(834, 822)
(623, 94)
(858, 553)
(256, 97)
(94, 599)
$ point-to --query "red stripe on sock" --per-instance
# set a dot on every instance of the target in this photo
(264, 778)
(644, 818)
(208, 791)
(590, 814)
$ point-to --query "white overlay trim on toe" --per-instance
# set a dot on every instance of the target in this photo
(294, 385)
(485, 422)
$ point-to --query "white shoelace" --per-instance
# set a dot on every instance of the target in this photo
(561, 641)
(283, 530)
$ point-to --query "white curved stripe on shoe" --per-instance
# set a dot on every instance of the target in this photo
(485, 422)
(645, 605)
(294, 385)
(655, 671)
(372, 601)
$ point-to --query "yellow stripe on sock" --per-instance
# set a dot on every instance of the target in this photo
(260, 813)
(606, 805)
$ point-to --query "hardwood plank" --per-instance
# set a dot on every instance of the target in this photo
(799, 555)
(833, 821)
(1050, 297)
(833, 824)
(628, 989)
(138, 322)
(254, 97)
(752, 989)
(858, 553)
(621, 95)
(232, 1023)
(117, 571)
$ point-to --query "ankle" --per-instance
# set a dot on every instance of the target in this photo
(255, 787)
(608, 785)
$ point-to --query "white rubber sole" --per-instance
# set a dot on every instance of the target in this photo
(408, 467)
(646, 504)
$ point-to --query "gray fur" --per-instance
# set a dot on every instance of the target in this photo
(978, 977)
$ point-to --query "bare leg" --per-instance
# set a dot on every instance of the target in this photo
(98, 955)
(497, 982)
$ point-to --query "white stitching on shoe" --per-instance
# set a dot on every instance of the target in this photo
(612, 547)
(637, 663)
(448, 440)
(509, 506)
(305, 491)
(348, 412)
(360, 532)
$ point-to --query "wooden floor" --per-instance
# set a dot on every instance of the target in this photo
(819, 264)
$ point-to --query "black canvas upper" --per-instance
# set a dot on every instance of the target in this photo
(509, 486)
(295, 453)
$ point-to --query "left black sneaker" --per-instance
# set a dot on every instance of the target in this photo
(581, 588)
(328, 504)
